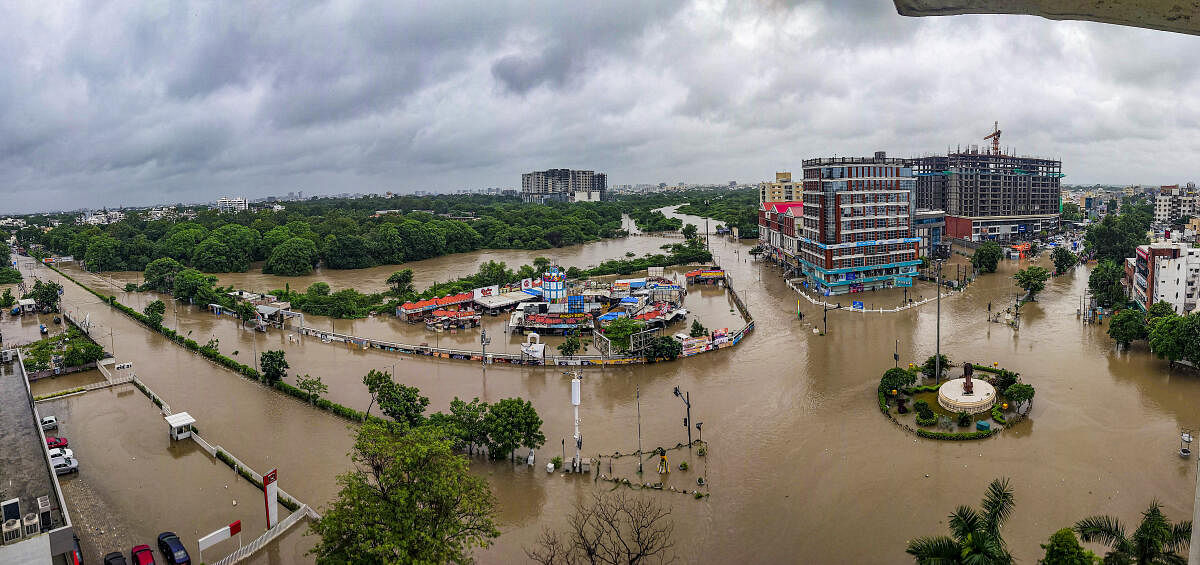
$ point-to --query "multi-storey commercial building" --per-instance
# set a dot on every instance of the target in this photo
(989, 195)
(856, 231)
(782, 190)
(777, 232)
(226, 204)
(563, 185)
(1164, 272)
(1174, 202)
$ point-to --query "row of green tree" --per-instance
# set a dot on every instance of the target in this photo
(728, 207)
(8, 274)
(341, 233)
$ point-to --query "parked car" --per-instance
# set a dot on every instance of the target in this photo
(49, 423)
(172, 549)
(52, 442)
(64, 465)
(115, 558)
(141, 555)
(59, 452)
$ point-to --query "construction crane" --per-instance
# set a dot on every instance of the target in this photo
(995, 137)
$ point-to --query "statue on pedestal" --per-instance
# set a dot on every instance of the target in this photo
(968, 386)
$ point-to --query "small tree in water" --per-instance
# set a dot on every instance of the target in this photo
(274, 366)
(698, 329)
(612, 528)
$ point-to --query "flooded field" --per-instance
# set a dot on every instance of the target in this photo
(137, 483)
(801, 464)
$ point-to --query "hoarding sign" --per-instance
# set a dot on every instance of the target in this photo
(271, 497)
(856, 305)
(904, 281)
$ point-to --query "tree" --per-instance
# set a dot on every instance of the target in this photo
(274, 366)
(1155, 541)
(401, 282)
(1020, 393)
(1063, 260)
(1127, 326)
(160, 274)
(409, 499)
(374, 381)
(1156, 312)
(154, 312)
(619, 330)
(1032, 279)
(1064, 549)
(45, 294)
(896, 379)
(7, 299)
(82, 352)
(245, 311)
(191, 284)
(466, 421)
(512, 423)
(930, 367)
(614, 528)
(570, 346)
(313, 386)
(663, 347)
(975, 534)
(103, 254)
(698, 329)
(1105, 284)
(1167, 337)
(401, 403)
(294, 257)
(690, 231)
(1115, 237)
(987, 257)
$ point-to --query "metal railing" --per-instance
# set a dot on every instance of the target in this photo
(268, 537)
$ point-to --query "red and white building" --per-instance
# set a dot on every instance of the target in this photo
(1164, 272)
(777, 223)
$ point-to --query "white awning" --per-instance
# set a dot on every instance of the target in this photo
(179, 420)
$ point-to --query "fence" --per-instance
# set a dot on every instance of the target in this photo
(792, 283)
(262, 541)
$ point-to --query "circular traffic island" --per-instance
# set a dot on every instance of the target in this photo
(972, 396)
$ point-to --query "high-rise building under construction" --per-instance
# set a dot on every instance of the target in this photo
(990, 195)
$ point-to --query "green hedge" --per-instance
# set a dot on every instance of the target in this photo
(883, 405)
(58, 394)
(925, 388)
(955, 436)
(156, 400)
(998, 415)
(930, 421)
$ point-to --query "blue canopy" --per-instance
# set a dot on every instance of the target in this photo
(629, 300)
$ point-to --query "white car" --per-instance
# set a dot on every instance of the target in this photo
(64, 465)
(60, 452)
(49, 423)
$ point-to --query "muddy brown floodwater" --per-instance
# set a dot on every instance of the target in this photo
(802, 466)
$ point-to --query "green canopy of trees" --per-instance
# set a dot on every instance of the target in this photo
(1105, 284)
(1032, 279)
(1115, 237)
(1063, 260)
(987, 257)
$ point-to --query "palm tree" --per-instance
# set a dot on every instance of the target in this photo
(1156, 540)
(975, 534)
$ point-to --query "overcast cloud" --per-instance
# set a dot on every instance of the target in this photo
(108, 104)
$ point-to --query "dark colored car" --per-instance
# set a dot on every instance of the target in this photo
(141, 555)
(53, 442)
(172, 549)
(115, 558)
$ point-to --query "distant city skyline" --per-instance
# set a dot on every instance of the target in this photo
(128, 104)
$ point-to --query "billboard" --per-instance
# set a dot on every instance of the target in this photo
(904, 281)
(487, 291)
(271, 497)
(856, 305)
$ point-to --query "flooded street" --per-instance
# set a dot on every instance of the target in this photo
(801, 465)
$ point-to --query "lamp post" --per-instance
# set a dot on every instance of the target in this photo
(700, 430)
(937, 356)
(686, 397)
(484, 341)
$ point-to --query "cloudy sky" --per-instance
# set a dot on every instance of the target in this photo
(104, 104)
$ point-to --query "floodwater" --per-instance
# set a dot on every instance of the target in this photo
(48, 385)
(801, 465)
(137, 483)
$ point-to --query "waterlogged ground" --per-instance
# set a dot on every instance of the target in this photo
(802, 466)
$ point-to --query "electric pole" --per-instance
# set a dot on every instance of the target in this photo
(937, 356)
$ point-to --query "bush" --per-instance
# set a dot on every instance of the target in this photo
(932, 420)
(922, 388)
(883, 405)
(955, 436)
(58, 394)
(964, 419)
(998, 415)
(557, 462)
(683, 466)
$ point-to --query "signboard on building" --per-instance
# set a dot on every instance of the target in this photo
(271, 497)
(486, 291)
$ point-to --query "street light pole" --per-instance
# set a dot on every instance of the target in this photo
(686, 397)
(937, 356)
(484, 340)
(638, 395)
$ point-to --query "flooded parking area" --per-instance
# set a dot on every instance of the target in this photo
(134, 482)
(47, 385)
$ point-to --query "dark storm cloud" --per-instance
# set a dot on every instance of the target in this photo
(127, 103)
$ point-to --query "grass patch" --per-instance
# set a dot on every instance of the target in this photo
(59, 393)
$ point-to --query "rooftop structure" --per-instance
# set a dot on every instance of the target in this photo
(782, 190)
(36, 526)
(227, 204)
(563, 185)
